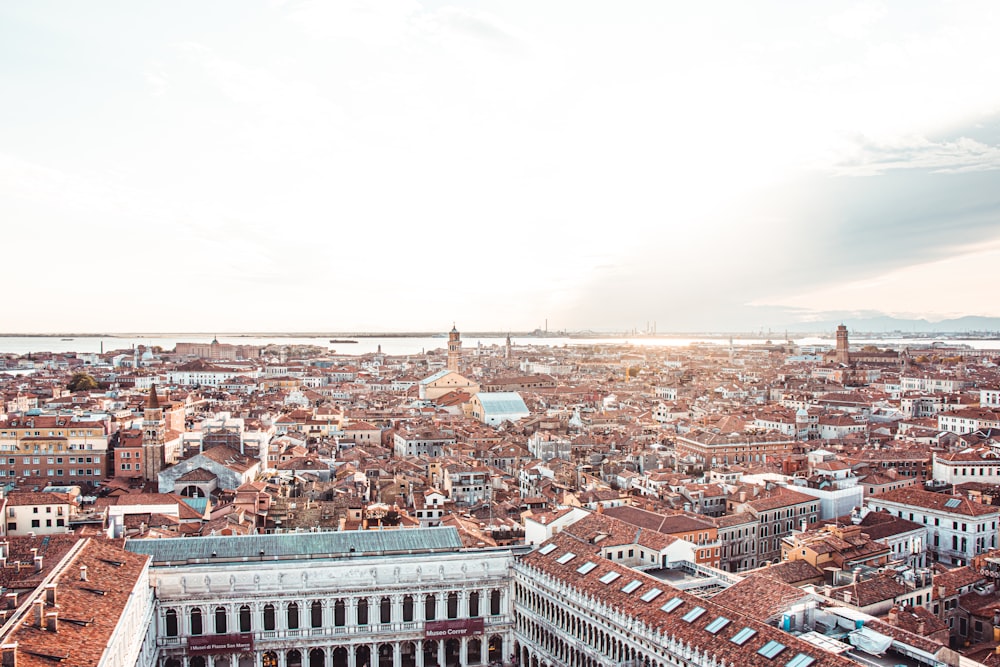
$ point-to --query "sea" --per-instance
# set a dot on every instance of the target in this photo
(406, 345)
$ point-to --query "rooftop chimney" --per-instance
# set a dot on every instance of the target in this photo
(38, 563)
(52, 621)
(50, 595)
(83, 573)
(8, 655)
(39, 606)
(11, 600)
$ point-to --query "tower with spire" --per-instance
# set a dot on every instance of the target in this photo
(153, 437)
(454, 349)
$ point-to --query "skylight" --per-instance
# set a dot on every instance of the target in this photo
(693, 615)
(801, 660)
(953, 502)
(631, 586)
(650, 595)
(717, 624)
(547, 549)
(771, 649)
(741, 637)
(586, 567)
(566, 557)
(672, 604)
(608, 577)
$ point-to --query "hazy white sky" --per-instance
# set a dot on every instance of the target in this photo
(398, 165)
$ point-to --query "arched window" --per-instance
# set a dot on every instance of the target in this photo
(495, 603)
(293, 615)
(385, 611)
(245, 618)
(407, 608)
(269, 617)
(473, 604)
(339, 614)
(453, 605)
(430, 607)
(363, 611)
(171, 621)
(316, 614)
(196, 628)
(220, 620)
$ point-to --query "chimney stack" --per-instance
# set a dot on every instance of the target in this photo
(50, 595)
(11, 600)
(8, 655)
(38, 563)
(83, 573)
(52, 621)
(39, 606)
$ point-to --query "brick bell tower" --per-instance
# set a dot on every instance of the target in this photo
(454, 349)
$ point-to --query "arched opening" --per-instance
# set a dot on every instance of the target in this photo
(453, 605)
(408, 654)
(339, 614)
(197, 661)
(475, 651)
(269, 617)
(452, 650)
(197, 627)
(293, 616)
(220, 621)
(473, 604)
(222, 661)
(316, 614)
(385, 611)
(172, 662)
(495, 603)
(192, 491)
(269, 659)
(363, 657)
(430, 607)
(430, 653)
(496, 649)
(293, 658)
(407, 608)
(317, 658)
(340, 657)
(170, 620)
(245, 618)
(385, 655)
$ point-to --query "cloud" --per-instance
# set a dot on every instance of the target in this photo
(866, 157)
(858, 21)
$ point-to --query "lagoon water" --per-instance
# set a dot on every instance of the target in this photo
(394, 345)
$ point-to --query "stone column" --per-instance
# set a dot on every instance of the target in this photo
(463, 650)
(419, 647)
(484, 650)
(441, 654)
(397, 654)
(352, 659)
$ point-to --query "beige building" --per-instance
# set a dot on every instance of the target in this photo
(443, 382)
(36, 512)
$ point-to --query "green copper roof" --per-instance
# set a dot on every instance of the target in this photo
(296, 546)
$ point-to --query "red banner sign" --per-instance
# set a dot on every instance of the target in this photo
(220, 644)
(457, 628)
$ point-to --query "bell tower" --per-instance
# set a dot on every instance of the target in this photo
(153, 428)
(843, 347)
(454, 349)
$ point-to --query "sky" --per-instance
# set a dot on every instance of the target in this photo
(398, 165)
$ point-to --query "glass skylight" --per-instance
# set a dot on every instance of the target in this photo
(608, 577)
(693, 615)
(631, 586)
(717, 624)
(801, 660)
(743, 636)
(650, 595)
(771, 649)
(586, 567)
(547, 549)
(672, 604)
(565, 558)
